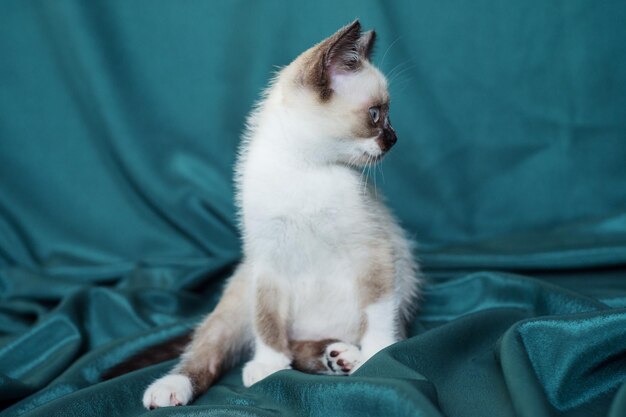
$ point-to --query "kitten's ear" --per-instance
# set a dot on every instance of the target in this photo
(366, 44)
(340, 53)
(342, 49)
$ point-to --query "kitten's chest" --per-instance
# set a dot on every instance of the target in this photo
(305, 217)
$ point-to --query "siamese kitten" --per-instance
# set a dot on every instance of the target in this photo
(328, 278)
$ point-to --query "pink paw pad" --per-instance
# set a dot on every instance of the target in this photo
(342, 358)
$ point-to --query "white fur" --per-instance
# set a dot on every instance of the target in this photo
(170, 390)
(311, 225)
(308, 221)
(381, 326)
(266, 361)
(350, 355)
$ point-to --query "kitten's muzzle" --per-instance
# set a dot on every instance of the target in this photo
(387, 137)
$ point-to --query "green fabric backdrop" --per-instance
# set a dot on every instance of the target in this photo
(119, 123)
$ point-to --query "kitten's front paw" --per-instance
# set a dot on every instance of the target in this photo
(167, 391)
(342, 358)
(254, 371)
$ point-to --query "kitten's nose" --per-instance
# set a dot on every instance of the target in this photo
(389, 135)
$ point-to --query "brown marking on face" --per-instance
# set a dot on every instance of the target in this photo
(387, 138)
(366, 128)
(271, 316)
(308, 355)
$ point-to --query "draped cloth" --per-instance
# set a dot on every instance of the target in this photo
(119, 124)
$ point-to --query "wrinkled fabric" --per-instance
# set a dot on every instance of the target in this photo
(119, 124)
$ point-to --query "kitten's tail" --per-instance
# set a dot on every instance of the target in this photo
(218, 342)
(152, 355)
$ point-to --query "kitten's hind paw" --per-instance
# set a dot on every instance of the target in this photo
(254, 371)
(170, 390)
(342, 358)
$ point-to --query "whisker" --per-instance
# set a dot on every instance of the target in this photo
(369, 170)
(352, 162)
(396, 68)
(395, 76)
(401, 67)
(375, 186)
(367, 173)
(361, 184)
(399, 86)
(382, 61)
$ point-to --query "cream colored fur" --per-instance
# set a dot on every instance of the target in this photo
(312, 226)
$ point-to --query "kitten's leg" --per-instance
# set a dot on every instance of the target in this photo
(328, 356)
(270, 325)
(381, 322)
(377, 298)
(216, 344)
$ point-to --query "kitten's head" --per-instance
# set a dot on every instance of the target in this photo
(341, 98)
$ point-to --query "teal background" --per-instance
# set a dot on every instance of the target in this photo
(119, 123)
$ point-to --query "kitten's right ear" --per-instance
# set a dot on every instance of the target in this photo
(340, 53)
(366, 44)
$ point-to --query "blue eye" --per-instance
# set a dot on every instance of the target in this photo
(375, 114)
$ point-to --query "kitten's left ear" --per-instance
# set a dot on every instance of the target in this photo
(341, 53)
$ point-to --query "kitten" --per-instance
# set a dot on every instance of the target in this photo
(328, 277)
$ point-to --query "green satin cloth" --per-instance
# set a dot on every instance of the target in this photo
(119, 123)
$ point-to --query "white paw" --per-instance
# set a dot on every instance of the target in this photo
(168, 391)
(254, 371)
(342, 358)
